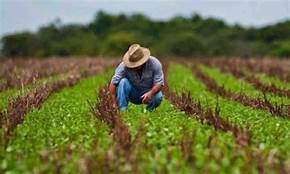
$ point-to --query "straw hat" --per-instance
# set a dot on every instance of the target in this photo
(136, 56)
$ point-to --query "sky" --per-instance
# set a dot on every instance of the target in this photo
(29, 15)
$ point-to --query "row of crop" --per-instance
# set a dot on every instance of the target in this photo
(80, 68)
(7, 95)
(174, 143)
(125, 147)
(16, 103)
(268, 132)
(21, 105)
(273, 81)
(177, 143)
(240, 86)
(56, 136)
(228, 87)
(138, 154)
(250, 159)
(52, 142)
(209, 116)
(272, 67)
(239, 72)
(19, 72)
(181, 144)
(62, 137)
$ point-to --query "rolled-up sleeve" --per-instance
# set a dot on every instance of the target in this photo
(119, 74)
(158, 78)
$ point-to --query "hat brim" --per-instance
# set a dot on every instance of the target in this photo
(146, 55)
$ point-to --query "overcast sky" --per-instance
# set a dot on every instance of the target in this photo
(20, 15)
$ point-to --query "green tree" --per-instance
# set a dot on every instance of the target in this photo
(104, 23)
(117, 43)
(282, 49)
(19, 45)
(180, 36)
(180, 44)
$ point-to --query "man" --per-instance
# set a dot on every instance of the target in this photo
(138, 79)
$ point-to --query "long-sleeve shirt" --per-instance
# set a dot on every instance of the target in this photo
(152, 74)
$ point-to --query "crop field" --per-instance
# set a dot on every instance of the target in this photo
(218, 116)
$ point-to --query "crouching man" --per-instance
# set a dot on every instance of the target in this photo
(138, 79)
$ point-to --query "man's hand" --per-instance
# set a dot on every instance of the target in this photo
(147, 97)
(115, 105)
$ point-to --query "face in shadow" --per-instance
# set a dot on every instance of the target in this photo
(139, 68)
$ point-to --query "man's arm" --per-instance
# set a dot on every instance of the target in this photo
(158, 81)
(148, 95)
(155, 89)
(112, 89)
(119, 74)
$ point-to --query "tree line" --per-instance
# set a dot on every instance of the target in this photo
(110, 35)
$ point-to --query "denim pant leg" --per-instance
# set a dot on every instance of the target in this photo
(123, 90)
(125, 93)
(155, 101)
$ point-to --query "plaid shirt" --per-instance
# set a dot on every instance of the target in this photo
(152, 74)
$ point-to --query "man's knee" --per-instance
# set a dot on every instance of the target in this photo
(155, 102)
(124, 86)
(158, 97)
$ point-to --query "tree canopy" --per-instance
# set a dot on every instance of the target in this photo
(110, 35)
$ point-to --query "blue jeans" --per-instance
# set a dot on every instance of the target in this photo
(126, 92)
